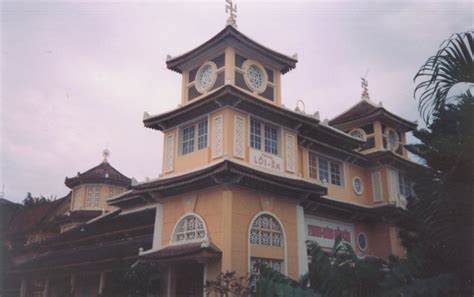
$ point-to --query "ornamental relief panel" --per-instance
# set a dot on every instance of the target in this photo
(169, 153)
(217, 143)
(290, 153)
(239, 137)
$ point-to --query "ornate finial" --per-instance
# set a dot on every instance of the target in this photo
(105, 154)
(298, 109)
(365, 86)
(231, 8)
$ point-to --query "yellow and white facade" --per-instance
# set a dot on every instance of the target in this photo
(245, 179)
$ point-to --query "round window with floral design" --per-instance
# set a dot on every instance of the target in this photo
(357, 185)
(255, 76)
(206, 77)
(392, 140)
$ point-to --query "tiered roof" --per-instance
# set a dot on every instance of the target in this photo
(102, 173)
(230, 36)
(365, 112)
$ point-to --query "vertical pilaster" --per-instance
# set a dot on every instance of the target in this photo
(158, 228)
(227, 230)
(301, 237)
(378, 135)
(229, 66)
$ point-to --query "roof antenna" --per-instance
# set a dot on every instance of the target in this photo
(365, 86)
(2, 193)
(231, 8)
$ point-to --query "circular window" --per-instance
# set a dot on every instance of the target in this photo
(358, 133)
(362, 241)
(392, 139)
(357, 185)
(255, 76)
(206, 77)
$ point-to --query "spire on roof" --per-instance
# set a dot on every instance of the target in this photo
(365, 89)
(231, 8)
(105, 154)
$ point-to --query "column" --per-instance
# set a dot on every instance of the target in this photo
(301, 237)
(23, 287)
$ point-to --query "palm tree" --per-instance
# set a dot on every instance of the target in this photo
(452, 65)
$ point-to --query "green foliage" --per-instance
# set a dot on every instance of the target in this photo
(452, 64)
(272, 283)
(227, 285)
(438, 223)
(341, 272)
(32, 201)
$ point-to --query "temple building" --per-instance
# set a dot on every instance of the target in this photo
(244, 180)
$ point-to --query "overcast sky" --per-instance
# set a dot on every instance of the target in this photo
(78, 76)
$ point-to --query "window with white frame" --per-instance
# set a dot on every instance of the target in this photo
(266, 231)
(329, 170)
(270, 136)
(194, 137)
(189, 228)
(312, 166)
(404, 185)
(92, 196)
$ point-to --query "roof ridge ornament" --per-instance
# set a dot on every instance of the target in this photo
(105, 154)
(365, 89)
(231, 8)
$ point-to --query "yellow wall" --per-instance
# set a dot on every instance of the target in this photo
(105, 189)
(227, 213)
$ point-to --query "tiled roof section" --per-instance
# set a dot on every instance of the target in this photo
(106, 223)
(183, 250)
(83, 255)
(102, 173)
(227, 172)
(367, 109)
(227, 35)
(31, 218)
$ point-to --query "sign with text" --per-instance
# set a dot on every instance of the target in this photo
(265, 160)
(324, 231)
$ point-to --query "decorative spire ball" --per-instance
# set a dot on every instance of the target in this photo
(105, 154)
(231, 8)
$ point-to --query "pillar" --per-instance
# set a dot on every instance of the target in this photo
(301, 237)
(23, 287)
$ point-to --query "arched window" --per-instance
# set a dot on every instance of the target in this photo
(266, 230)
(191, 227)
(267, 243)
